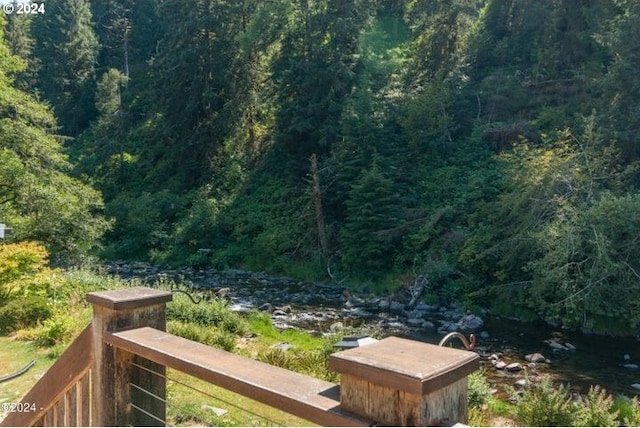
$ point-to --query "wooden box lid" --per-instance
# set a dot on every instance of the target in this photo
(406, 365)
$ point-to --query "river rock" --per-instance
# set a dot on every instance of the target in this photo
(283, 346)
(216, 410)
(337, 326)
(636, 386)
(384, 305)
(556, 346)
(569, 346)
(470, 323)
(535, 358)
(360, 313)
(521, 383)
(396, 307)
(513, 367)
(631, 366)
(266, 307)
(415, 322)
(426, 308)
(500, 365)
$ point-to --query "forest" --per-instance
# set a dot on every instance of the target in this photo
(489, 147)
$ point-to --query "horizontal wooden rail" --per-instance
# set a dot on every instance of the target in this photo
(49, 398)
(312, 399)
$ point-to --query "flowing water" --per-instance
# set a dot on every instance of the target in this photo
(596, 360)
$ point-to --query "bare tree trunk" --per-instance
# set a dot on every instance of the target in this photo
(317, 199)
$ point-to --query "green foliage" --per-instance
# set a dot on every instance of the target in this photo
(213, 313)
(38, 198)
(23, 313)
(61, 328)
(597, 409)
(145, 222)
(371, 210)
(450, 140)
(208, 335)
(108, 98)
(545, 405)
(628, 410)
(67, 49)
(24, 274)
(309, 362)
(479, 390)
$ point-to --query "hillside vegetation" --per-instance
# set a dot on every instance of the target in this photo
(489, 146)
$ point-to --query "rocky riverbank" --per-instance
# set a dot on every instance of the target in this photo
(512, 353)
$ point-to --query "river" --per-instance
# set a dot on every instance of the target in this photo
(596, 360)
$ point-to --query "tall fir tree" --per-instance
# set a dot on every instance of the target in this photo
(67, 48)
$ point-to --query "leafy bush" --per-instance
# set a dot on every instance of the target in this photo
(479, 390)
(544, 405)
(24, 271)
(23, 313)
(207, 314)
(597, 409)
(60, 328)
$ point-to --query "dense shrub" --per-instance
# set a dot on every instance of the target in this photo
(545, 405)
(23, 313)
(597, 409)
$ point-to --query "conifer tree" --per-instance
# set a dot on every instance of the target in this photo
(38, 198)
(67, 48)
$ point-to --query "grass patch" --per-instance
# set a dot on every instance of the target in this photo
(14, 355)
(260, 324)
(203, 404)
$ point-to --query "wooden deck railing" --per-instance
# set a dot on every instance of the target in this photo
(63, 396)
(114, 375)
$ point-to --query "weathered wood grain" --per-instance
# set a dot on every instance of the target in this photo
(401, 382)
(309, 398)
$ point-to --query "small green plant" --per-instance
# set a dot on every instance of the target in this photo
(479, 390)
(207, 314)
(597, 409)
(208, 335)
(545, 405)
(312, 363)
(628, 410)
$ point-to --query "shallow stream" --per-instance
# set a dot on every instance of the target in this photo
(609, 362)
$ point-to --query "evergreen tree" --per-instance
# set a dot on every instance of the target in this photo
(372, 209)
(38, 198)
(20, 43)
(621, 85)
(67, 48)
(314, 74)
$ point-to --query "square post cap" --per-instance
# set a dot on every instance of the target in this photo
(406, 365)
(129, 298)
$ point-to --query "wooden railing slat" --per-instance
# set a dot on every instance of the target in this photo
(304, 396)
(84, 418)
(65, 372)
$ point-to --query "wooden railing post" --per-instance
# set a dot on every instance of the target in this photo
(112, 393)
(401, 382)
